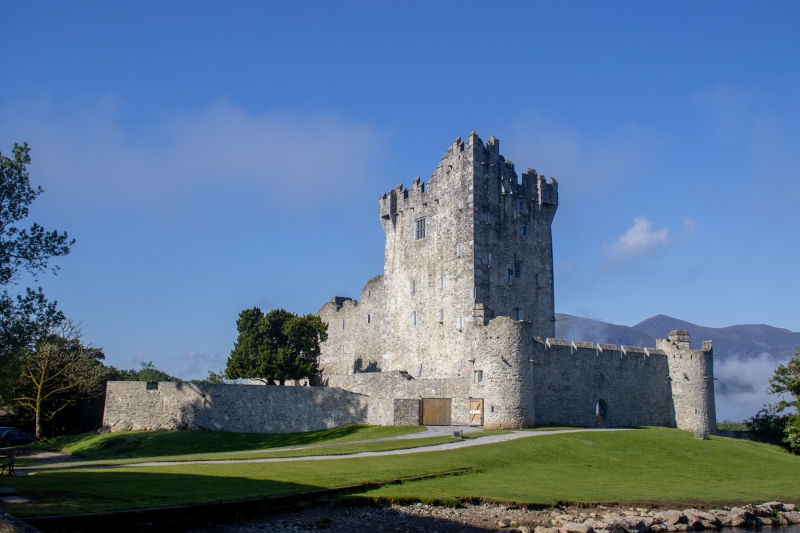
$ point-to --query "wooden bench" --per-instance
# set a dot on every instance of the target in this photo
(6, 465)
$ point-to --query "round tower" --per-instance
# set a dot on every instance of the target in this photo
(692, 379)
(501, 372)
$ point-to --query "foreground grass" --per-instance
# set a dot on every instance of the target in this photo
(647, 465)
(324, 450)
(138, 444)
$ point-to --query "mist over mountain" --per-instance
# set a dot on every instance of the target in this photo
(745, 356)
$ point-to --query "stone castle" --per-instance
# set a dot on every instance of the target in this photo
(458, 330)
(465, 311)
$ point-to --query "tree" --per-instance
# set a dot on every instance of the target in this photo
(786, 380)
(276, 346)
(24, 318)
(58, 372)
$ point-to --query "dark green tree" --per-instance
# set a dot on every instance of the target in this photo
(24, 318)
(786, 380)
(276, 346)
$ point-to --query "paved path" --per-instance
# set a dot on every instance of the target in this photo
(488, 439)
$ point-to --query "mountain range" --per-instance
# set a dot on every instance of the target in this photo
(740, 342)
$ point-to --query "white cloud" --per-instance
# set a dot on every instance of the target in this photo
(741, 385)
(282, 160)
(641, 240)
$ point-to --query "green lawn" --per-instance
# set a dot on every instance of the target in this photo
(136, 444)
(646, 465)
(327, 449)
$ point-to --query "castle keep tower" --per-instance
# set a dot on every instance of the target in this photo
(473, 244)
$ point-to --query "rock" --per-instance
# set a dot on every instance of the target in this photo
(683, 527)
(776, 506)
(789, 507)
(764, 510)
(793, 517)
(630, 513)
(781, 520)
(524, 529)
(544, 529)
(692, 519)
(669, 517)
(658, 528)
(763, 521)
(504, 522)
(574, 527)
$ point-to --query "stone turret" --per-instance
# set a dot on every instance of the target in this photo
(692, 380)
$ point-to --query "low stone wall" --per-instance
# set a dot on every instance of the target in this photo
(139, 405)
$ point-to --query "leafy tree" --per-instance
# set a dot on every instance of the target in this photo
(147, 372)
(24, 318)
(786, 380)
(768, 425)
(60, 371)
(276, 346)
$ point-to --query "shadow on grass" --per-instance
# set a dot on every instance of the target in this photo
(137, 444)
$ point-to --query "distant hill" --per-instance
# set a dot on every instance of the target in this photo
(738, 342)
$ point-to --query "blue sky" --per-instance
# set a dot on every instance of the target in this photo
(210, 157)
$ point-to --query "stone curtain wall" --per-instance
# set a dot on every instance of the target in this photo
(400, 385)
(406, 412)
(355, 331)
(138, 405)
(570, 379)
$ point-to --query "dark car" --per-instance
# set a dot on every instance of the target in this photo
(16, 436)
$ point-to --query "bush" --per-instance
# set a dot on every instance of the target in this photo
(769, 426)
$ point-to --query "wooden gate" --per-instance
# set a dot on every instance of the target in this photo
(475, 412)
(436, 411)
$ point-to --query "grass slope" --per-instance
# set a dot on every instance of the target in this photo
(632, 466)
(323, 450)
(137, 444)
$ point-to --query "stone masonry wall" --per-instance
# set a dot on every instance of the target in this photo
(406, 412)
(138, 405)
(355, 331)
(571, 378)
(396, 384)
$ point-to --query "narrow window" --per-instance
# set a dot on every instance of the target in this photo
(369, 293)
(342, 348)
(524, 231)
(536, 280)
(368, 319)
(420, 230)
(414, 318)
(460, 203)
(522, 206)
(517, 269)
(342, 324)
(489, 258)
(517, 313)
(459, 250)
(460, 323)
(487, 217)
(413, 286)
(441, 283)
(509, 275)
(441, 316)
(477, 376)
(474, 292)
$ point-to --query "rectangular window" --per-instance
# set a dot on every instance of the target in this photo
(413, 286)
(460, 203)
(536, 280)
(522, 206)
(517, 313)
(524, 231)
(368, 319)
(441, 283)
(441, 316)
(509, 275)
(477, 376)
(487, 217)
(460, 323)
(342, 324)
(342, 348)
(517, 269)
(414, 318)
(488, 258)
(459, 250)
(420, 229)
